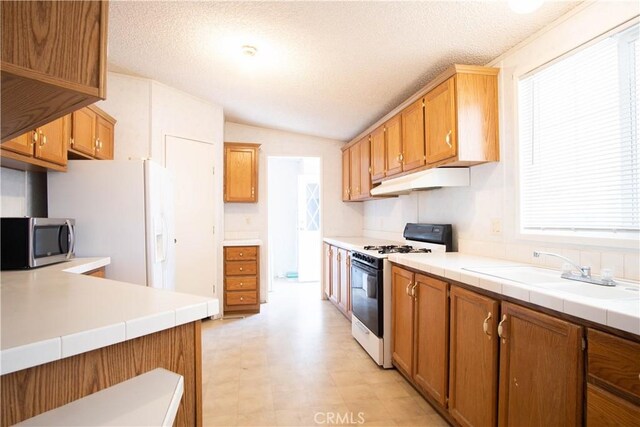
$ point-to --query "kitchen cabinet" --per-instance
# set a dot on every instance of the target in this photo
(336, 274)
(420, 328)
(413, 146)
(354, 171)
(365, 168)
(357, 163)
(473, 358)
(378, 154)
(98, 272)
(242, 279)
(346, 175)
(541, 364)
(613, 380)
(45, 147)
(393, 142)
(92, 134)
(46, 78)
(461, 118)
(241, 172)
(326, 270)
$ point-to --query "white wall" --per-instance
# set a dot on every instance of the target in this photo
(249, 220)
(283, 214)
(492, 196)
(146, 111)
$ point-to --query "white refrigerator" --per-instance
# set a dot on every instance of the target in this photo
(123, 209)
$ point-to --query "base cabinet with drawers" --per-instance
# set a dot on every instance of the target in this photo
(241, 279)
(482, 360)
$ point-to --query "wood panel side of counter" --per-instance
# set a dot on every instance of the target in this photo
(33, 391)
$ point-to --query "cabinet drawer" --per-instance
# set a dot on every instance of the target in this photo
(615, 361)
(240, 283)
(240, 268)
(242, 298)
(605, 409)
(240, 253)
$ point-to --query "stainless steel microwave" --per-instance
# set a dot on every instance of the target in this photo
(33, 242)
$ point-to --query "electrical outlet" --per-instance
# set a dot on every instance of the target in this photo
(496, 226)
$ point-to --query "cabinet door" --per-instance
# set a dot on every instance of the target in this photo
(440, 122)
(346, 176)
(402, 318)
(52, 141)
(431, 320)
(393, 139)
(540, 369)
(365, 168)
(240, 173)
(22, 144)
(335, 275)
(473, 358)
(354, 180)
(83, 132)
(605, 409)
(345, 285)
(413, 154)
(378, 154)
(104, 138)
(326, 276)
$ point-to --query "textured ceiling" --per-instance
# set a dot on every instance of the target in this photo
(323, 68)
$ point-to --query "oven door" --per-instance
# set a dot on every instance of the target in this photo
(366, 296)
(51, 241)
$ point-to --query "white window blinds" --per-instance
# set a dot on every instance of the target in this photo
(578, 136)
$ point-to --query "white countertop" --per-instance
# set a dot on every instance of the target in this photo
(242, 242)
(358, 243)
(621, 314)
(54, 312)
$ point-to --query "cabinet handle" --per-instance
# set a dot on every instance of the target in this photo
(71, 142)
(501, 329)
(241, 284)
(414, 294)
(101, 144)
(407, 290)
(400, 157)
(339, 257)
(485, 326)
(241, 254)
(253, 192)
(34, 139)
(447, 139)
(43, 139)
(241, 269)
(241, 298)
(369, 169)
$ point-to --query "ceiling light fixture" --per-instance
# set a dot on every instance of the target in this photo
(525, 6)
(249, 50)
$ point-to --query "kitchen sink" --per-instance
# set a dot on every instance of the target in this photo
(545, 278)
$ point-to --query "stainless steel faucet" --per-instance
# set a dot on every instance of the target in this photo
(585, 271)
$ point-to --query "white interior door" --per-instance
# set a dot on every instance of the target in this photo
(308, 228)
(191, 165)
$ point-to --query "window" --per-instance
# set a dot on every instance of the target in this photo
(578, 133)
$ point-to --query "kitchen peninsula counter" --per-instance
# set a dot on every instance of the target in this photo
(66, 335)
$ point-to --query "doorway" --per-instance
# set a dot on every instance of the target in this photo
(294, 222)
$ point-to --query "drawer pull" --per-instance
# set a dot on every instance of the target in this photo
(241, 284)
(240, 253)
(485, 326)
(241, 269)
(241, 298)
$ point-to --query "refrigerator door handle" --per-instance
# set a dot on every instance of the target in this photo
(72, 243)
(165, 240)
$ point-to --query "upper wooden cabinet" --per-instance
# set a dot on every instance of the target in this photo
(413, 147)
(241, 172)
(541, 369)
(53, 61)
(346, 175)
(92, 134)
(461, 118)
(378, 154)
(393, 141)
(43, 147)
(356, 161)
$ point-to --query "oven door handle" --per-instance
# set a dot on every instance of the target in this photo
(72, 236)
(362, 327)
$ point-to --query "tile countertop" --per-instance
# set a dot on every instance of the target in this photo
(54, 312)
(358, 243)
(621, 314)
(242, 242)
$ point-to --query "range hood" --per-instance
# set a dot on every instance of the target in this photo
(424, 180)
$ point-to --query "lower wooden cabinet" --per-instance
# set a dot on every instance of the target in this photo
(473, 358)
(241, 279)
(336, 276)
(613, 380)
(419, 325)
(541, 369)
